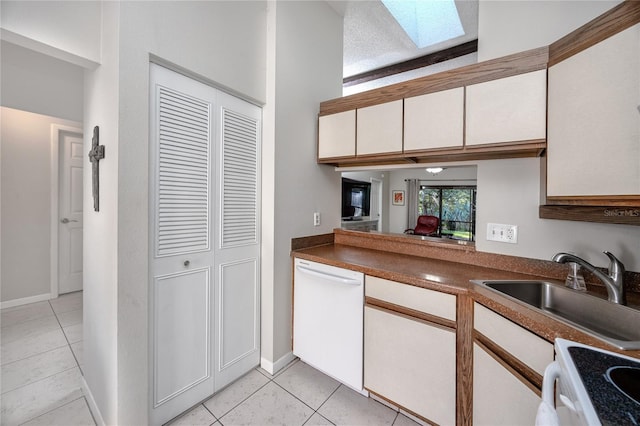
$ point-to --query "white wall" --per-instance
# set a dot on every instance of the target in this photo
(38, 83)
(100, 325)
(508, 190)
(509, 193)
(307, 70)
(220, 42)
(68, 30)
(506, 27)
(25, 230)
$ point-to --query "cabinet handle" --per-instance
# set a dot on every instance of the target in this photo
(186, 263)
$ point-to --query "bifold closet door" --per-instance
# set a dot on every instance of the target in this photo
(205, 240)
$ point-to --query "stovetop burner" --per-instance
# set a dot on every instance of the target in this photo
(626, 380)
(612, 383)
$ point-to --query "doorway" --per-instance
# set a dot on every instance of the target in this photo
(69, 212)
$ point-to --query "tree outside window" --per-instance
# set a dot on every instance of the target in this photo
(454, 206)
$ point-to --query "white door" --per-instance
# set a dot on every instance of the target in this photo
(237, 255)
(71, 158)
(375, 202)
(204, 267)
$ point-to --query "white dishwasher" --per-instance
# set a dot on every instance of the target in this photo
(328, 311)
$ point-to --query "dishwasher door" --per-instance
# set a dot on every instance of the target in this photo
(328, 312)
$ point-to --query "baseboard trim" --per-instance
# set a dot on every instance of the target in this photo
(25, 300)
(93, 407)
(273, 367)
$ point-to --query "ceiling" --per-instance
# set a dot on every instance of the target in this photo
(373, 39)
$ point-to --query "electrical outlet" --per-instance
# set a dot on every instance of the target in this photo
(502, 233)
(316, 219)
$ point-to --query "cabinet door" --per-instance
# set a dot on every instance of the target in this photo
(434, 120)
(532, 350)
(411, 363)
(594, 121)
(380, 129)
(500, 396)
(510, 109)
(337, 135)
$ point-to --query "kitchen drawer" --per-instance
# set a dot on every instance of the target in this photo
(532, 350)
(421, 299)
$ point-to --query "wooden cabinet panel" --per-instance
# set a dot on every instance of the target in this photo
(379, 129)
(594, 120)
(500, 397)
(532, 350)
(507, 110)
(434, 120)
(411, 363)
(421, 299)
(337, 135)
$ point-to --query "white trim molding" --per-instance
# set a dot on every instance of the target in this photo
(26, 300)
(91, 402)
(273, 367)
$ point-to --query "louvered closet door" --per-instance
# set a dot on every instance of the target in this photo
(182, 141)
(237, 246)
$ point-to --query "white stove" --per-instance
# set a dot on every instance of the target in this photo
(595, 387)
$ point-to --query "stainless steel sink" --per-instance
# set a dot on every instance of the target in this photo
(615, 324)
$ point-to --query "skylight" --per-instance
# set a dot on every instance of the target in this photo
(426, 22)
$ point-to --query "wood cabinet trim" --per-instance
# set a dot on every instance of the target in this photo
(464, 360)
(615, 212)
(518, 63)
(411, 314)
(524, 149)
(519, 369)
(617, 19)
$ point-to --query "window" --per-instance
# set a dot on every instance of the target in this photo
(455, 206)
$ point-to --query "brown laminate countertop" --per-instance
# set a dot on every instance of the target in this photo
(454, 278)
(441, 275)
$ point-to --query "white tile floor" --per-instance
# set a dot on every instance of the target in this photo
(41, 362)
(298, 395)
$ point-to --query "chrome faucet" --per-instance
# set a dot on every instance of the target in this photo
(613, 281)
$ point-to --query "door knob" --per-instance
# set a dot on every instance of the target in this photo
(66, 220)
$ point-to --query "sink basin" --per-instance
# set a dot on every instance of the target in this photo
(615, 324)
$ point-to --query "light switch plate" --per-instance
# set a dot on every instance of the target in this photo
(502, 233)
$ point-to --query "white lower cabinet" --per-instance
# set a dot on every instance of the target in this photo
(500, 397)
(501, 394)
(411, 363)
(408, 361)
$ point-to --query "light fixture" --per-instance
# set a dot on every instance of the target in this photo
(426, 22)
(434, 170)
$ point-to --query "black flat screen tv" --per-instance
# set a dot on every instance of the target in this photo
(355, 199)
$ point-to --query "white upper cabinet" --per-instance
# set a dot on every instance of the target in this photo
(509, 109)
(434, 120)
(337, 135)
(379, 128)
(594, 120)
